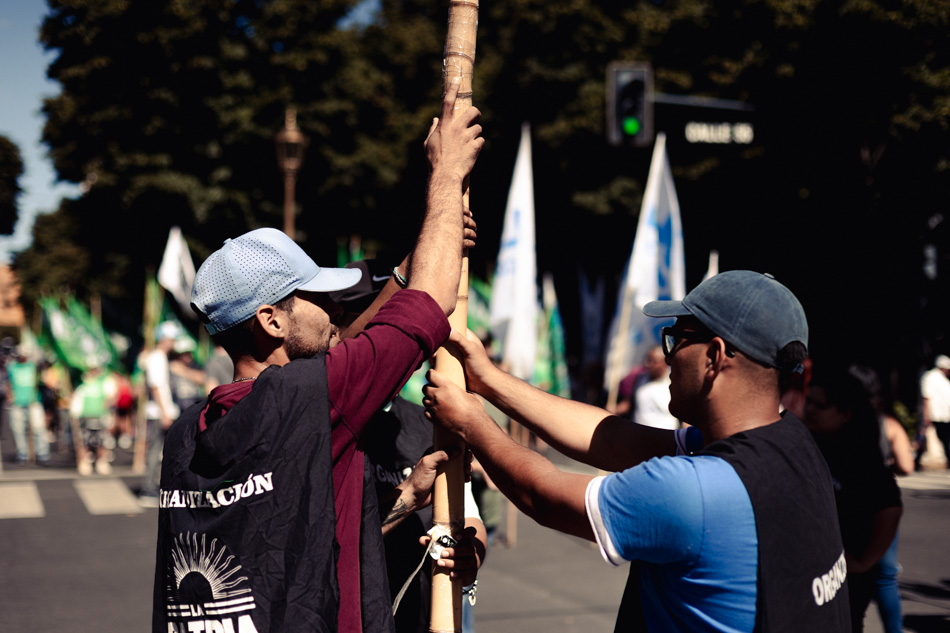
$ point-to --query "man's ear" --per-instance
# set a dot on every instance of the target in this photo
(272, 321)
(716, 356)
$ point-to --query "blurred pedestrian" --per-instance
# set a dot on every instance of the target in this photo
(935, 393)
(56, 394)
(651, 393)
(92, 405)
(219, 370)
(160, 410)
(187, 379)
(841, 411)
(26, 414)
(124, 429)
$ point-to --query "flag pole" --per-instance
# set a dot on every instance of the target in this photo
(448, 493)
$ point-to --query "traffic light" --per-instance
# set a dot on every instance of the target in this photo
(629, 104)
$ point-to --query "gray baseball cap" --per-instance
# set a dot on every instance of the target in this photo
(750, 310)
(258, 268)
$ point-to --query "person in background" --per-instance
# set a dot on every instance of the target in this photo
(935, 409)
(187, 379)
(899, 459)
(841, 412)
(651, 394)
(91, 406)
(124, 429)
(219, 370)
(26, 409)
(57, 394)
(402, 466)
(160, 411)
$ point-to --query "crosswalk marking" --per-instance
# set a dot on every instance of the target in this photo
(927, 480)
(20, 500)
(106, 496)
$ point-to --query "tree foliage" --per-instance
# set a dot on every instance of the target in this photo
(11, 168)
(168, 110)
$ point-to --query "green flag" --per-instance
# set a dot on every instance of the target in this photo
(72, 341)
(550, 368)
(479, 299)
(100, 338)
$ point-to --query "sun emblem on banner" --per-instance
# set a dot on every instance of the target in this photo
(204, 579)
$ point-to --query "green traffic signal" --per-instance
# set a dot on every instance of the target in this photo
(631, 125)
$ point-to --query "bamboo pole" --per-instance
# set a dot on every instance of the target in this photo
(448, 492)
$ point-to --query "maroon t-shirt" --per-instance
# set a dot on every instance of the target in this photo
(363, 374)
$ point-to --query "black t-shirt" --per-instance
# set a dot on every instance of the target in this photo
(393, 443)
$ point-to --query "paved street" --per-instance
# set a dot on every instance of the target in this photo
(77, 555)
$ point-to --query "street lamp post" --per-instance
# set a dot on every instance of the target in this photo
(290, 143)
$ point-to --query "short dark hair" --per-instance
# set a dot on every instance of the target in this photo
(791, 357)
(790, 363)
(240, 337)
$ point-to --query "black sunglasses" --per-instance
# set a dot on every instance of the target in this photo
(671, 337)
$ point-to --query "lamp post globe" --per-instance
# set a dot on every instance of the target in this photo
(290, 144)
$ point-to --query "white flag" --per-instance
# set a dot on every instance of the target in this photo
(177, 271)
(514, 299)
(656, 271)
(713, 269)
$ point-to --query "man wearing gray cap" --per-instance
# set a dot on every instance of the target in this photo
(730, 524)
(261, 506)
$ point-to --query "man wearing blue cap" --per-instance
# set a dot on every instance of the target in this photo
(729, 525)
(261, 515)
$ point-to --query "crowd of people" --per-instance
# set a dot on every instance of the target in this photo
(294, 485)
(87, 414)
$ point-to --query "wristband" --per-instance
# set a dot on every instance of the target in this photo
(402, 281)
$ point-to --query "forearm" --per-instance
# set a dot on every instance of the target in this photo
(900, 447)
(391, 288)
(395, 507)
(189, 373)
(436, 262)
(882, 535)
(583, 432)
(481, 539)
(551, 497)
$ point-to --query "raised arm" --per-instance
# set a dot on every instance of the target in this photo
(452, 146)
(392, 286)
(550, 496)
(581, 431)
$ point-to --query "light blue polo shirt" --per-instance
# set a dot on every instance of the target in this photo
(689, 521)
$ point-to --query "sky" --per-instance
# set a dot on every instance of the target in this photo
(23, 85)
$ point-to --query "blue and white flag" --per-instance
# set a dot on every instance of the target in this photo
(656, 271)
(514, 300)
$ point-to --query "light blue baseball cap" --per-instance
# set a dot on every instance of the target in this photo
(750, 310)
(258, 268)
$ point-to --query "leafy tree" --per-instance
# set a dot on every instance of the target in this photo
(168, 110)
(11, 168)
